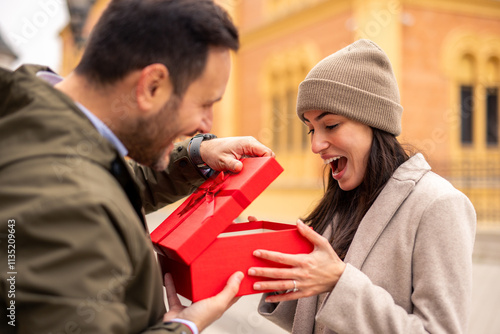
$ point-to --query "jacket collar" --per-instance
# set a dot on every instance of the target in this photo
(37, 120)
(397, 189)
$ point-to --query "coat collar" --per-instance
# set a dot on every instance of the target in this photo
(397, 189)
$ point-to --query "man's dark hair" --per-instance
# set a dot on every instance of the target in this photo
(132, 34)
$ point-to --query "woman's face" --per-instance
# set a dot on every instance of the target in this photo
(342, 143)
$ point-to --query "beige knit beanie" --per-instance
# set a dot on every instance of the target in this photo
(356, 82)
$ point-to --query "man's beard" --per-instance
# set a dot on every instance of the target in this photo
(148, 139)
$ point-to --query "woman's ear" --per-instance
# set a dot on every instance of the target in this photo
(153, 88)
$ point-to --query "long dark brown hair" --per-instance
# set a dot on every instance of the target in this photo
(349, 207)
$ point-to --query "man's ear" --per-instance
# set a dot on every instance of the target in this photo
(153, 88)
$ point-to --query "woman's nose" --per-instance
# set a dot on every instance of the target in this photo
(318, 143)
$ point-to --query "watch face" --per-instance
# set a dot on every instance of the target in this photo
(208, 136)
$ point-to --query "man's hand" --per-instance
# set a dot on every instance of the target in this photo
(205, 311)
(223, 154)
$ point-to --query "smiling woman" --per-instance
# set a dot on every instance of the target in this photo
(390, 236)
(342, 143)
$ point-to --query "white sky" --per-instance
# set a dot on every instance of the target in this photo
(31, 28)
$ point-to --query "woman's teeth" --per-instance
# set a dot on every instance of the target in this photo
(337, 164)
(327, 161)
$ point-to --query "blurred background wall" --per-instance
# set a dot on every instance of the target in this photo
(445, 54)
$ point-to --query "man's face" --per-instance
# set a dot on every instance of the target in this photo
(155, 136)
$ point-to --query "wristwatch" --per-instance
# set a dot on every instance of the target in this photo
(194, 152)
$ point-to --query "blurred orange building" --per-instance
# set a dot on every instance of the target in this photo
(446, 56)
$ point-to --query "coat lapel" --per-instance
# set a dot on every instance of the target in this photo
(305, 313)
(383, 209)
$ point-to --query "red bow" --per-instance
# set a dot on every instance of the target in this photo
(207, 192)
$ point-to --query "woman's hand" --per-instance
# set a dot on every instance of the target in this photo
(308, 274)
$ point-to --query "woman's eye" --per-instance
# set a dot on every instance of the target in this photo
(331, 127)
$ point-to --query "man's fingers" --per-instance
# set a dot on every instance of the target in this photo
(224, 153)
(174, 303)
(231, 289)
(234, 165)
(254, 148)
(262, 151)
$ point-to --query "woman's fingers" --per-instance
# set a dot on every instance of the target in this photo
(275, 285)
(276, 273)
(282, 258)
(311, 235)
(303, 274)
(284, 297)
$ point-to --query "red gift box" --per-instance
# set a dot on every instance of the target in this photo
(201, 246)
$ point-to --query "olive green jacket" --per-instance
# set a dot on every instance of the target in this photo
(75, 250)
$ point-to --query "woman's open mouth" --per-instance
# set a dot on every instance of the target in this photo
(337, 164)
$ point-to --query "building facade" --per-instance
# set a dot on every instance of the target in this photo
(446, 57)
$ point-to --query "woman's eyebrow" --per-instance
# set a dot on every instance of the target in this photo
(319, 117)
(322, 115)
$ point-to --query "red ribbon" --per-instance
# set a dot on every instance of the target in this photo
(207, 191)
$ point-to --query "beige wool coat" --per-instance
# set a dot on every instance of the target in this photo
(409, 267)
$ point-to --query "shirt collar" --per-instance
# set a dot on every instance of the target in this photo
(102, 128)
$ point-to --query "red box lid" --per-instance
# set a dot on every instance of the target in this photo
(194, 225)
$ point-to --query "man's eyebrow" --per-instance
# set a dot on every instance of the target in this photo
(214, 100)
(318, 117)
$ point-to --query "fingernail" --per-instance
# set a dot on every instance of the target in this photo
(240, 276)
(251, 271)
(238, 166)
(256, 286)
(257, 253)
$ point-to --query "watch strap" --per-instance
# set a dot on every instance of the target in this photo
(195, 154)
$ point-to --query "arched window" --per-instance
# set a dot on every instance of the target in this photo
(289, 135)
(491, 99)
(282, 130)
(472, 63)
(466, 75)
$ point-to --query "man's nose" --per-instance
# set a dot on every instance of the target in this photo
(206, 122)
